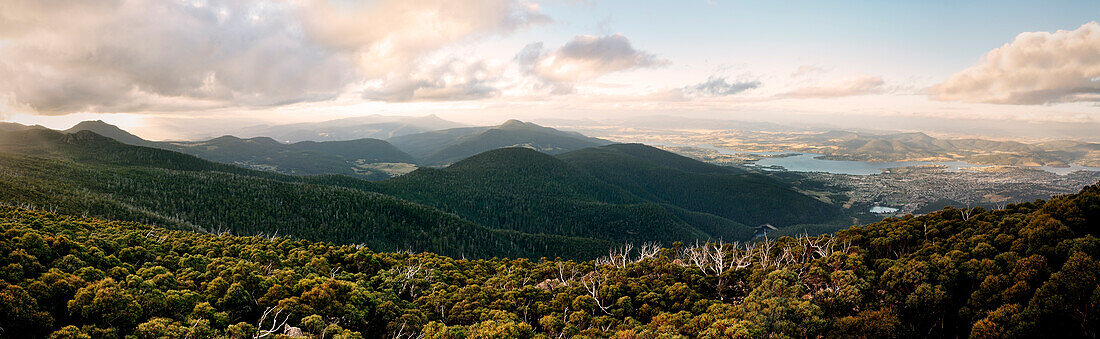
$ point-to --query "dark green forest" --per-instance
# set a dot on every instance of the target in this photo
(1028, 270)
(86, 174)
(513, 202)
(525, 190)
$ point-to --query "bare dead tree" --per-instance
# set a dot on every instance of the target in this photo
(561, 273)
(408, 275)
(592, 282)
(276, 324)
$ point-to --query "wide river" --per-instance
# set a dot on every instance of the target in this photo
(806, 162)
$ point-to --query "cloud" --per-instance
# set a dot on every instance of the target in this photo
(1036, 68)
(584, 57)
(388, 35)
(65, 56)
(68, 56)
(808, 70)
(719, 86)
(453, 79)
(856, 86)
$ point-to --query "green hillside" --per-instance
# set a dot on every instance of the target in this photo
(84, 173)
(525, 190)
(1031, 270)
(667, 178)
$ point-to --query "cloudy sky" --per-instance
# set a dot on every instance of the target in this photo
(168, 68)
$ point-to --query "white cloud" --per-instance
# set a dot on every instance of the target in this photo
(64, 56)
(808, 70)
(453, 79)
(861, 85)
(1036, 68)
(584, 57)
(68, 56)
(388, 36)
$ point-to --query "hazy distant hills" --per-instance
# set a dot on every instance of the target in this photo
(11, 126)
(361, 156)
(372, 126)
(450, 145)
(302, 158)
(911, 146)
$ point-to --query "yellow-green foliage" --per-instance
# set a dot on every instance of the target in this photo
(1003, 273)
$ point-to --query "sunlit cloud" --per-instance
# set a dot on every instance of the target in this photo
(66, 56)
(583, 58)
(1035, 68)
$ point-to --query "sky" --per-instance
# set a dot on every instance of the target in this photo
(172, 69)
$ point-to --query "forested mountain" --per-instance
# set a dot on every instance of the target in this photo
(529, 191)
(372, 126)
(622, 192)
(84, 173)
(422, 145)
(368, 150)
(447, 146)
(302, 158)
(264, 153)
(664, 177)
(1030, 270)
(110, 131)
(524, 200)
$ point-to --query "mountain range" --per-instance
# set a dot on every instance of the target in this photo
(364, 157)
(509, 201)
(371, 126)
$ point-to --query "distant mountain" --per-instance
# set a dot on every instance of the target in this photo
(368, 150)
(11, 126)
(844, 145)
(663, 177)
(85, 173)
(264, 153)
(302, 158)
(110, 131)
(447, 146)
(372, 126)
(666, 122)
(528, 191)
